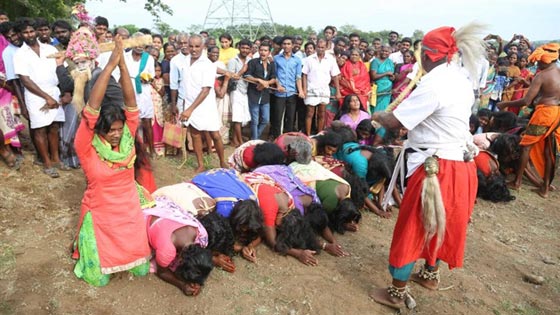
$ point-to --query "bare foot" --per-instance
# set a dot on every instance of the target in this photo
(199, 169)
(224, 165)
(552, 188)
(428, 284)
(513, 185)
(381, 296)
(542, 192)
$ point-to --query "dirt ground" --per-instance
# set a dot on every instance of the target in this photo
(38, 218)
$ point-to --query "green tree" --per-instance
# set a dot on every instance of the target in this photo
(57, 9)
(51, 10)
(131, 28)
(165, 29)
(417, 34)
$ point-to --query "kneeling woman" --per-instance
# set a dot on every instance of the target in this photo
(375, 166)
(112, 233)
(236, 201)
(270, 157)
(179, 241)
(277, 204)
(333, 190)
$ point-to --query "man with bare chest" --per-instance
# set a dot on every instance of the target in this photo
(539, 142)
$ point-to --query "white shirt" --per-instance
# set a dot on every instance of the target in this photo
(300, 54)
(103, 60)
(198, 75)
(176, 76)
(437, 114)
(42, 71)
(143, 99)
(235, 65)
(396, 57)
(415, 69)
(319, 72)
(482, 72)
(8, 57)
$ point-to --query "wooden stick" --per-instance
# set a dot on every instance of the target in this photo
(145, 40)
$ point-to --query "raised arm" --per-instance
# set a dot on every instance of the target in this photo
(100, 86)
(126, 85)
(531, 94)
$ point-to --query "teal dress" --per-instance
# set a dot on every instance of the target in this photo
(353, 158)
(384, 85)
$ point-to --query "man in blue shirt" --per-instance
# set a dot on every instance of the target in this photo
(288, 74)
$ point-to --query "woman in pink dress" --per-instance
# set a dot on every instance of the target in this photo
(402, 71)
(351, 112)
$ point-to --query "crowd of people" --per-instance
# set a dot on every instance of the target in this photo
(340, 126)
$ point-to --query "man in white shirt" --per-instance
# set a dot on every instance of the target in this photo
(318, 71)
(198, 109)
(240, 114)
(397, 57)
(437, 116)
(176, 75)
(38, 75)
(141, 68)
(9, 32)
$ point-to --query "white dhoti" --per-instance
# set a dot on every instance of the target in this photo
(204, 118)
(34, 103)
(240, 107)
(317, 96)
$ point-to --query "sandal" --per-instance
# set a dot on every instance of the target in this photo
(61, 166)
(11, 160)
(52, 172)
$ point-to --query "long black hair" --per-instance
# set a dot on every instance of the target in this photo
(507, 149)
(380, 164)
(329, 138)
(196, 264)
(493, 188)
(345, 108)
(220, 235)
(344, 131)
(268, 154)
(295, 232)
(359, 188)
(246, 221)
(317, 218)
(142, 160)
(345, 212)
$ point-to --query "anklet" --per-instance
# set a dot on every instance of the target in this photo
(399, 293)
(428, 275)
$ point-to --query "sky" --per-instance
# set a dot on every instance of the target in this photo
(535, 19)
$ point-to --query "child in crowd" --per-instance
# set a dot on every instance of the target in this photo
(500, 83)
(513, 74)
(365, 132)
(158, 92)
(521, 85)
(483, 119)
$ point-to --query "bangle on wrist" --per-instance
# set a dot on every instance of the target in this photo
(324, 245)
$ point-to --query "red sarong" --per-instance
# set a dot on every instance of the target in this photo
(458, 184)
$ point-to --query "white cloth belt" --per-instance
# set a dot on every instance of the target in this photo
(447, 151)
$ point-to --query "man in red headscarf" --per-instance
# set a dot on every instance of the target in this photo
(541, 138)
(442, 183)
